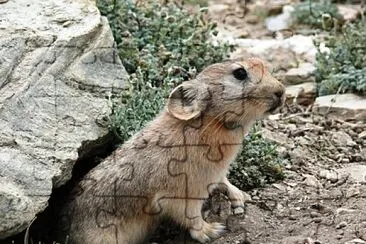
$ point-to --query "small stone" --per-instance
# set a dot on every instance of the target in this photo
(274, 116)
(332, 176)
(278, 137)
(244, 34)
(342, 139)
(352, 192)
(291, 127)
(317, 220)
(314, 214)
(304, 73)
(342, 211)
(291, 217)
(301, 141)
(345, 160)
(280, 187)
(303, 94)
(362, 135)
(246, 196)
(252, 19)
(238, 210)
(355, 241)
(312, 181)
(341, 225)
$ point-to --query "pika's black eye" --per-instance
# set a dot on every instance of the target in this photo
(240, 74)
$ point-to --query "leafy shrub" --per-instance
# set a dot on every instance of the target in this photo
(165, 41)
(258, 163)
(311, 13)
(161, 46)
(343, 68)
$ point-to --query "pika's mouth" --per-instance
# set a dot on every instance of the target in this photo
(275, 105)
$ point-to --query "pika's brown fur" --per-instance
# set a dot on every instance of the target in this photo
(167, 169)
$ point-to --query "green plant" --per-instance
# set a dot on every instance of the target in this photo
(258, 163)
(165, 41)
(161, 46)
(136, 107)
(343, 68)
(316, 13)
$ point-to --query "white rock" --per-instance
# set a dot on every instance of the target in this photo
(353, 191)
(349, 12)
(356, 172)
(54, 79)
(342, 139)
(280, 22)
(341, 106)
(304, 73)
(298, 44)
(311, 181)
(355, 241)
(330, 175)
(362, 135)
(342, 211)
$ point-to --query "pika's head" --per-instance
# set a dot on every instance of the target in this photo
(233, 91)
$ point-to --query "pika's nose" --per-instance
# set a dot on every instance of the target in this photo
(279, 94)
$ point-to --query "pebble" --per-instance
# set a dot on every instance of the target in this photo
(362, 135)
(315, 214)
(332, 176)
(252, 19)
(238, 210)
(291, 217)
(317, 220)
(341, 225)
(353, 191)
(312, 181)
(342, 211)
(355, 241)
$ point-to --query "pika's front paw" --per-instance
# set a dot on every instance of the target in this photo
(208, 232)
(237, 199)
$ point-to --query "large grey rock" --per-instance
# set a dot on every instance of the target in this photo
(342, 106)
(57, 66)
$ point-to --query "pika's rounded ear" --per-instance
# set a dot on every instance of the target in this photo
(188, 101)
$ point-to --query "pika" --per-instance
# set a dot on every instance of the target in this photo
(168, 169)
